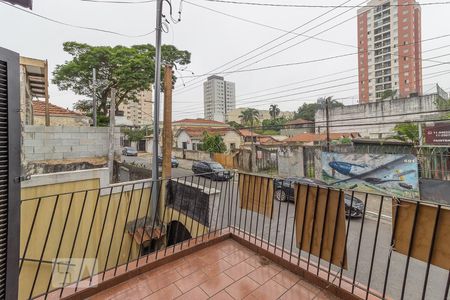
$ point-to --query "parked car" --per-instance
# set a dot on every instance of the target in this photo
(211, 169)
(129, 151)
(284, 191)
(174, 162)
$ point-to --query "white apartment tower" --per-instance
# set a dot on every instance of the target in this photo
(219, 98)
(389, 49)
(139, 112)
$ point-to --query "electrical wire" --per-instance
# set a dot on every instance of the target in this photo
(267, 43)
(119, 2)
(76, 26)
(321, 6)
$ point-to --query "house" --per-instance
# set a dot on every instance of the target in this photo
(259, 139)
(58, 116)
(190, 138)
(233, 116)
(194, 123)
(298, 126)
(314, 138)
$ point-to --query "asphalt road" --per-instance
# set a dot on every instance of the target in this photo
(361, 236)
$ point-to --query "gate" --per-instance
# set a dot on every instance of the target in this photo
(10, 173)
(267, 159)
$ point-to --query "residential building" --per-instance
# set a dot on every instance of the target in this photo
(297, 126)
(139, 112)
(219, 98)
(233, 116)
(251, 137)
(189, 138)
(389, 50)
(314, 138)
(58, 116)
(198, 123)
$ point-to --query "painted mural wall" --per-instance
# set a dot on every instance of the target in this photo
(391, 174)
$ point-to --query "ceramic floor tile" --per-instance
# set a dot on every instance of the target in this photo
(270, 290)
(191, 281)
(264, 273)
(221, 296)
(216, 284)
(240, 270)
(194, 294)
(242, 288)
(169, 292)
(287, 279)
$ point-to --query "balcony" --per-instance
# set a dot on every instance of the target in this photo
(230, 239)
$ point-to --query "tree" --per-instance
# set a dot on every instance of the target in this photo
(135, 135)
(274, 111)
(388, 95)
(249, 117)
(129, 70)
(407, 132)
(443, 104)
(213, 143)
(235, 125)
(308, 110)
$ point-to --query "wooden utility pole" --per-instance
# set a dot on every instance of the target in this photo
(327, 111)
(167, 124)
(47, 110)
(94, 97)
(112, 125)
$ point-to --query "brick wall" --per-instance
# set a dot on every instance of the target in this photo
(66, 142)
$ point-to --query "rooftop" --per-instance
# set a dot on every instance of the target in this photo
(198, 121)
(315, 137)
(54, 110)
(299, 122)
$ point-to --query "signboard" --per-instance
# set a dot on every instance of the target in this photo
(389, 174)
(24, 3)
(438, 134)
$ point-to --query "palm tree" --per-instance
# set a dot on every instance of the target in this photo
(249, 116)
(274, 111)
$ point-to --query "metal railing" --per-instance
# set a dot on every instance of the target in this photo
(70, 241)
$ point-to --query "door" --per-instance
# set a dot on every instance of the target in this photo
(10, 166)
(184, 149)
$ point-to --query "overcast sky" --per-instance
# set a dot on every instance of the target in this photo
(215, 39)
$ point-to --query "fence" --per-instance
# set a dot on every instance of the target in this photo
(366, 244)
(226, 160)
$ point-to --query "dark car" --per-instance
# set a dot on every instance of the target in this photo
(129, 151)
(284, 191)
(211, 169)
(174, 162)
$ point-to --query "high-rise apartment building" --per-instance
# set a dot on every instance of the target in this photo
(389, 50)
(219, 98)
(139, 112)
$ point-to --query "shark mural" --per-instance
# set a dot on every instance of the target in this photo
(390, 174)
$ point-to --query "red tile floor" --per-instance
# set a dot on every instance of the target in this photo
(226, 270)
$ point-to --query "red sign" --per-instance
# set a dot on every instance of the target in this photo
(438, 135)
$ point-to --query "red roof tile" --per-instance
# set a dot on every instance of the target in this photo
(314, 137)
(39, 109)
(247, 133)
(199, 121)
(299, 122)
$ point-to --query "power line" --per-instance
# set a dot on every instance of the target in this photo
(76, 26)
(321, 6)
(320, 89)
(267, 43)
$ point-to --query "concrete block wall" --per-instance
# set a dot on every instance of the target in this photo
(377, 113)
(66, 142)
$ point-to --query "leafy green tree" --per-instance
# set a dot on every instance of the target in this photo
(407, 132)
(129, 70)
(249, 117)
(443, 104)
(235, 125)
(388, 95)
(308, 110)
(135, 135)
(274, 111)
(213, 143)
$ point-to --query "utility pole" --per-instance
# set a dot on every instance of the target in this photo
(327, 111)
(47, 110)
(155, 168)
(167, 129)
(112, 124)
(94, 97)
(420, 134)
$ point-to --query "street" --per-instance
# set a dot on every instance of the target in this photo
(361, 235)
